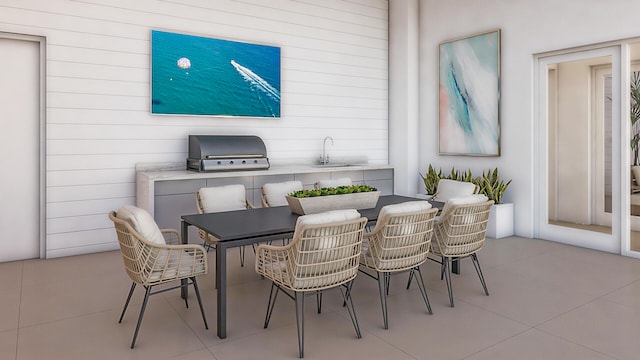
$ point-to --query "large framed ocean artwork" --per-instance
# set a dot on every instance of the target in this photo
(469, 96)
(196, 75)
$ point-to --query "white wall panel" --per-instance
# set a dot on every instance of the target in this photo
(333, 82)
(80, 242)
(85, 207)
(90, 192)
(82, 177)
(528, 28)
(79, 223)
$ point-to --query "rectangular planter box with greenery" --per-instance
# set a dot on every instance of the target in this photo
(343, 197)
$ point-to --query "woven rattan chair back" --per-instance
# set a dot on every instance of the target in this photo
(149, 264)
(400, 241)
(461, 232)
(274, 194)
(318, 257)
(461, 229)
(210, 240)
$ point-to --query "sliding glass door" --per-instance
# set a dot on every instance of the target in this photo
(577, 127)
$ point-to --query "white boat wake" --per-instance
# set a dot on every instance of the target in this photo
(255, 80)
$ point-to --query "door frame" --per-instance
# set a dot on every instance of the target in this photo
(42, 142)
(542, 228)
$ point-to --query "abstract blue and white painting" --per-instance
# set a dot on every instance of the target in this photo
(194, 75)
(469, 96)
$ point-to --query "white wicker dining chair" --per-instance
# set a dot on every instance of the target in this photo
(460, 232)
(399, 243)
(274, 194)
(449, 189)
(323, 254)
(152, 257)
(219, 199)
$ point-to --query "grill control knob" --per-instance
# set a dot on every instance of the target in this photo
(231, 162)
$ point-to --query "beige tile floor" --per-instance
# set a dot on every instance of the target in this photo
(548, 301)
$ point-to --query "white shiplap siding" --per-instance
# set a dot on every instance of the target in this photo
(334, 81)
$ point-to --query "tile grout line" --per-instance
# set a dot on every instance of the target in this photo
(601, 297)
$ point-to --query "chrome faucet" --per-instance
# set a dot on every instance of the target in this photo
(324, 159)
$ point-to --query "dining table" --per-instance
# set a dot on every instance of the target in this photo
(251, 226)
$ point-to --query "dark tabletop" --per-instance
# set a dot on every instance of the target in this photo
(243, 224)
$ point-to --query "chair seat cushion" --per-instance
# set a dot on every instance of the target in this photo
(175, 265)
(402, 208)
(142, 222)
(223, 198)
(405, 207)
(328, 217)
(275, 193)
(448, 189)
(463, 200)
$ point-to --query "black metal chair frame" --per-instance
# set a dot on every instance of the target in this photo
(148, 293)
(384, 279)
(445, 271)
(298, 298)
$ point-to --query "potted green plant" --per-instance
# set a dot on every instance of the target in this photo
(430, 180)
(432, 177)
(501, 216)
(492, 185)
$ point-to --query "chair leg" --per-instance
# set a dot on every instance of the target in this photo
(272, 301)
(383, 298)
(447, 276)
(299, 299)
(195, 287)
(144, 306)
(242, 256)
(319, 301)
(409, 281)
(346, 296)
(186, 298)
(348, 293)
(476, 264)
(387, 282)
(133, 286)
(423, 290)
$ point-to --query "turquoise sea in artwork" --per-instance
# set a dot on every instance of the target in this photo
(193, 75)
(469, 97)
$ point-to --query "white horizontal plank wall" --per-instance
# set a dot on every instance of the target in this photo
(334, 82)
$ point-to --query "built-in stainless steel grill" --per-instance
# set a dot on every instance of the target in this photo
(226, 153)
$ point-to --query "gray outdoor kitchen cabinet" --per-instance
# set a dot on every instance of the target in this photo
(169, 194)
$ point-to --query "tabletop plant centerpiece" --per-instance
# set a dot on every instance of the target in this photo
(311, 201)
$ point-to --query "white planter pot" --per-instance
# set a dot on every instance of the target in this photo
(500, 221)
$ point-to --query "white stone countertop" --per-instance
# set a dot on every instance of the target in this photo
(173, 171)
